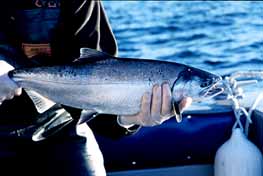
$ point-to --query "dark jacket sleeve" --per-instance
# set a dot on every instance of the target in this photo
(85, 24)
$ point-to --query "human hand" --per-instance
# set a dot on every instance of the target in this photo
(8, 88)
(155, 108)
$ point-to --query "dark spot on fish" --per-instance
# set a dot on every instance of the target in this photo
(61, 74)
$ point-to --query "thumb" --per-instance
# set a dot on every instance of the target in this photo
(185, 103)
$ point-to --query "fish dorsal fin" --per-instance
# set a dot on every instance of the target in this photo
(42, 103)
(92, 53)
(89, 55)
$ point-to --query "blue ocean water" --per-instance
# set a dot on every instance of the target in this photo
(221, 37)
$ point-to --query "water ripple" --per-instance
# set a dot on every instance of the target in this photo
(221, 36)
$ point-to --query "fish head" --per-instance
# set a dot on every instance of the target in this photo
(197, 84)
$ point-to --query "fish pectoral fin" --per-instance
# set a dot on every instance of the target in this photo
(176, 111)
(87, 115)
(41, 103)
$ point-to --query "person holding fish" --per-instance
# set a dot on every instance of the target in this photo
(49, 141)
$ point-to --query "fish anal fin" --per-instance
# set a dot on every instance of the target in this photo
(41, 103)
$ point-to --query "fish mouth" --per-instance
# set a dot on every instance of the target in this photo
(212, 91)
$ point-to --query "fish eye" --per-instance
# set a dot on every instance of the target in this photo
(205, 84)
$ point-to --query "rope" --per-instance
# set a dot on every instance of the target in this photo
(235, 94)
(253, 107)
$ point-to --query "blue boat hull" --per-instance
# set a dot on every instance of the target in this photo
(194, 141)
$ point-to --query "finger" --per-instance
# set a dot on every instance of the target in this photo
(145, 107)
(18, 91)
(166, 100)
(185, 103)
(156, 103)
(127, 121)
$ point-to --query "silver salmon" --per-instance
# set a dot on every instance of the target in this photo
(105, 84)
